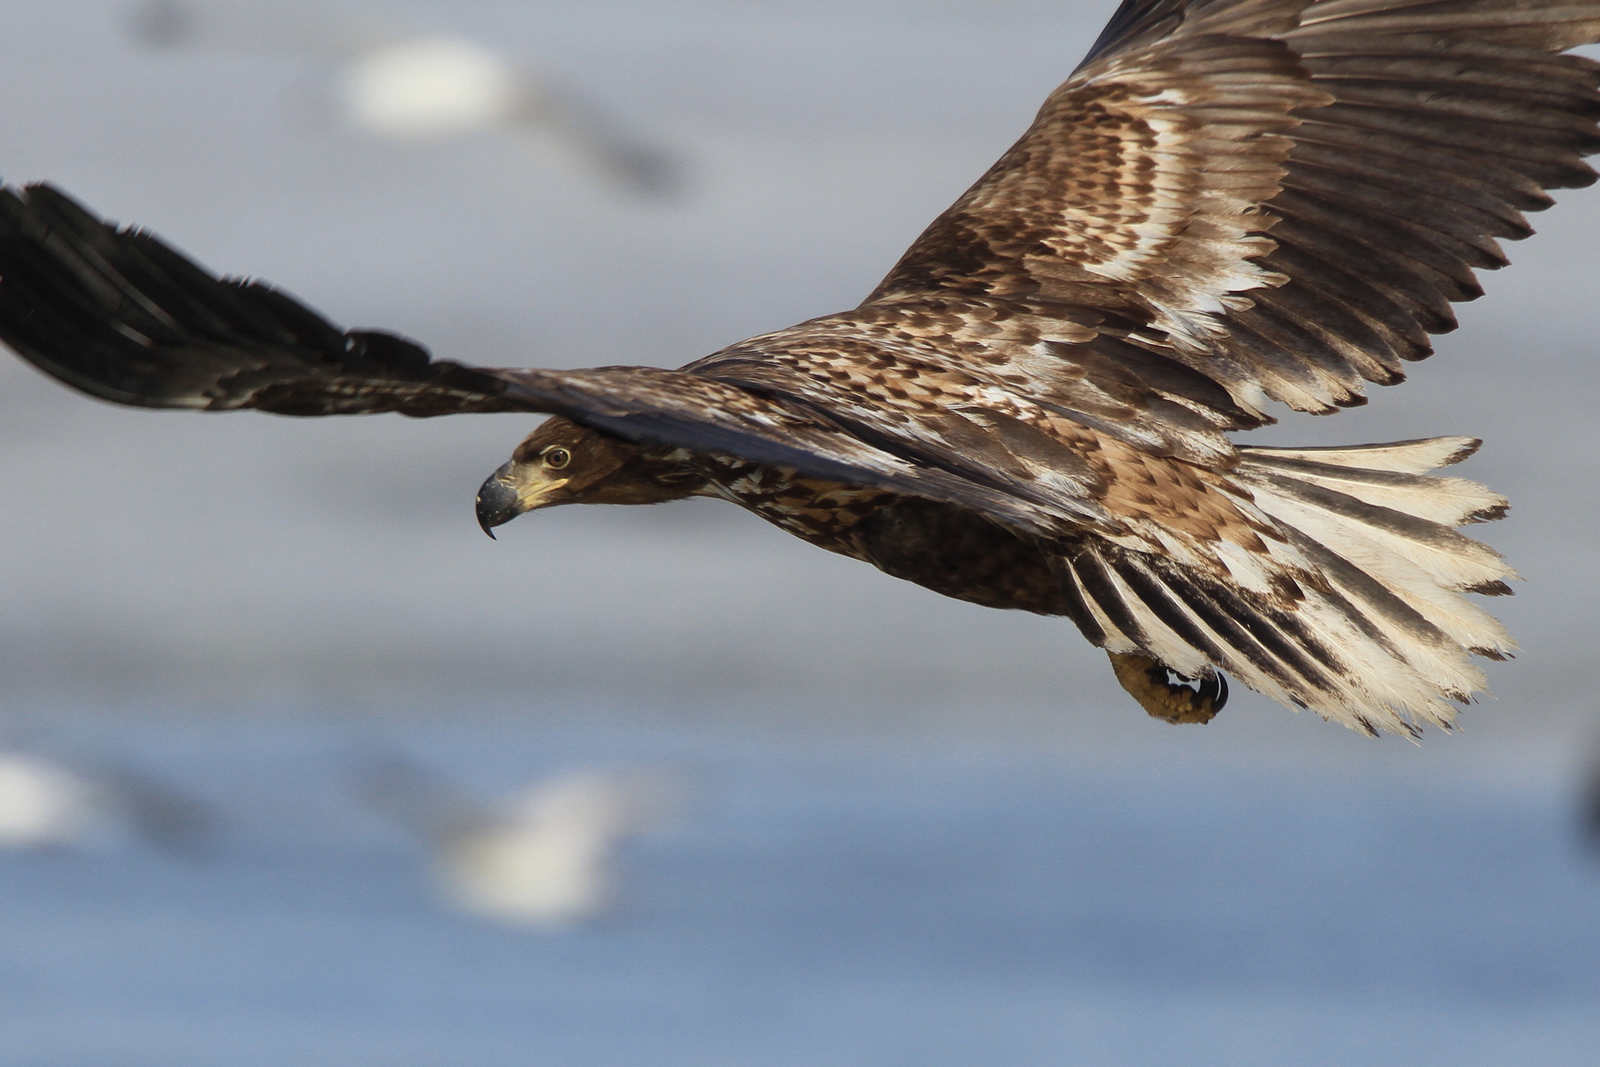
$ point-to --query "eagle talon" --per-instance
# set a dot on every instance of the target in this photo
(1146, 680)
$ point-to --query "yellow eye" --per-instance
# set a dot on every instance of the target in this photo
(556, 457)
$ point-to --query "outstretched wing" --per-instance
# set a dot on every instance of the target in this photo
(121, 316)
(116, 313)
(1285, 195)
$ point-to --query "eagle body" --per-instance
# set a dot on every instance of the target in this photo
(938, 546)
(1229, 205)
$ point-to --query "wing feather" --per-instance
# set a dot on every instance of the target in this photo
(120, 315)
(1285, 195)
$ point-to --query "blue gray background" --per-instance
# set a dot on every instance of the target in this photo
(924, 832)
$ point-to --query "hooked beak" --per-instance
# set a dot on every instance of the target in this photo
(505, 494)
(497, 501)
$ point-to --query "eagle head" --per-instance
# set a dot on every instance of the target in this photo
(564, 463)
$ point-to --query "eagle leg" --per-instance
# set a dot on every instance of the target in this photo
(1146, 681)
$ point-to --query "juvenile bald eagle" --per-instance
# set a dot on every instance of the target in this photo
(1230, 202)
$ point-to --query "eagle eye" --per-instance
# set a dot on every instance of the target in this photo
(556, 457)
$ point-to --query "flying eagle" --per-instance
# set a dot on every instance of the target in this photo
(1229, 203)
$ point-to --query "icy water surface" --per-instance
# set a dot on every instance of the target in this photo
(818, 904)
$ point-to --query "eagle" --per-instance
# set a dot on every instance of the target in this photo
(1228, 205)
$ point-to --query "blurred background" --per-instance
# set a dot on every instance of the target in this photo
(299, 766)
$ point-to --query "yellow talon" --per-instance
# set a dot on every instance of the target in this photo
(1145, 679)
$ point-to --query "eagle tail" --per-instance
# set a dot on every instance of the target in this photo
(1357, 611)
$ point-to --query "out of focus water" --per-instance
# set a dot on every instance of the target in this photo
(820, 903)
(923, 832)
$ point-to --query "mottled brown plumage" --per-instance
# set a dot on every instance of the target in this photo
(1229, 203)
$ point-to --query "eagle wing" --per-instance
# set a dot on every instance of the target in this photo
(1283, 195)
(118, 314)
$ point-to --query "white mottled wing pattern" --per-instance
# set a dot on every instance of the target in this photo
(1284, 195)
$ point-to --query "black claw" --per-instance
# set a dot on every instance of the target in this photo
(1212, 690)
(1208, 692)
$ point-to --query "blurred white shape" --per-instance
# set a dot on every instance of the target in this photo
(400, 84)
(47, 805)
(542, 856)
(42, 805)
(430, 87)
